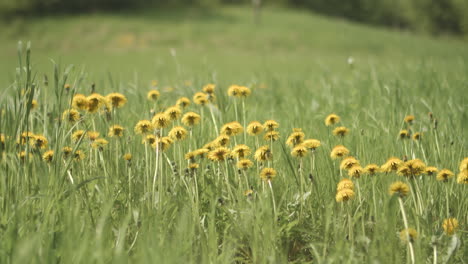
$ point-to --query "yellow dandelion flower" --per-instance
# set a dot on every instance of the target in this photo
(190, 156)
(444, 175)
(241, 151)
(270, 125)
(244, 91)
(144, 127)
(296, 138)
(410, 234)
(268, 174)
(348, 162)
(263, 153)
(200, 98)
(209, 88)
(173, 112)
(160, 120)
(2, 140)
(463, 177)
(67, 86)
(339, 152)
(400, 188)
(66, 151)
(117, 100)
(93, 135)
(80, 102)
(464, 164)
(332, 119)
(116, 131)
(193, 166)
(219, 154)
(191, 119)
(79, 155)
(345, 183)
(127, 157)
(392, 164)
(39, 142)
(25, 137)
(71, 115)
(340, 131)
(95, 101)
(234, 90)
(299, 151)
(271, 136)
(77, 135)
(450, 226)
(404, 134)
(344, 195)
(162, 143)
(431, 170)
(248, 193)
(99, 143)
(417, 136)
(254, 128)
(412, 168)
(221, 141)
(178, 133)
(34, 104)
(409, 119)
(244, 164)
(153, 95)
(232, 128)
(183, 102)
(355, 171)
(48, 156)
(149, 139)
(22, 156)
(311, 144)
(372, 169)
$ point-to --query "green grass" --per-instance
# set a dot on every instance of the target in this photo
(296, 65)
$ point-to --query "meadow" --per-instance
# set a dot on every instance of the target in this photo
(191, 136)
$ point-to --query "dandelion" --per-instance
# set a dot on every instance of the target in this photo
(162, 143)
(345, 183)
(193, 166)
(39, 141)
(2, 140)
(219, 154)
(93, 135)
(232, 128)
(48, 156)
(66, 151)
(417, 136)
(34, 104)
(339, 152)
(340, 131)
(299, 151)
(71, 115)
(399, 188)
(191, 119)
(222, 140)
(116, 131)
(268, 174)
(311, 144)
(80, 102)
(254, 128)
(348, 162)
(450, 226)
(463, 177)
(79, 155)
(160, 120)
(271, 136)
(404, 134)
(25, 137)
(234, 90)
(173, 112)
(153, 95)
(270, 125)
(144, 127)
(178, 133)
(99, 143)
(332, 119)
(248, 193)
(409, 233)
(296, 138)
(355, 171)
(209, 88)
(22, 156)
(149, 139)
(444, 175)
(412, 168)
(263, 153)
(344, 195)
(127, 157)
(244, 164)
(409, 119)
(371, 169)
(244, 91)
(183, 102)
(200, 98)
(431, 170)
(95, 101)
(464, 164)
(392, 164)
(116, 99)
(241, 151)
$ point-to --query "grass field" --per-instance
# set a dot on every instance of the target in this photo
(99, 205)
